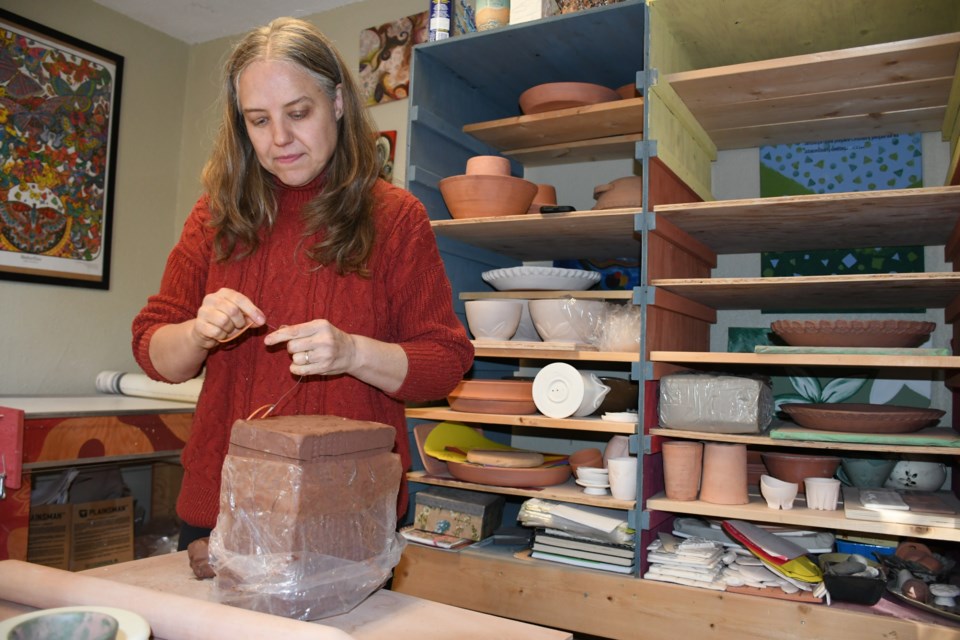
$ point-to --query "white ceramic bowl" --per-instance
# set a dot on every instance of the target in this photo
(526, 332)
(916, 475)
(567, 319)
(493, 319)
(777, 493)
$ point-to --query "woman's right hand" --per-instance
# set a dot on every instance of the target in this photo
(224, 315)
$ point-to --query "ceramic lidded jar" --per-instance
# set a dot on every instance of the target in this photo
(724, 474)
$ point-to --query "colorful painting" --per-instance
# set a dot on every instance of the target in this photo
(59, 116)
(385, 54)
(864, 164)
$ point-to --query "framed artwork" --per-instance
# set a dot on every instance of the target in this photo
(386, 150)
(59, 117)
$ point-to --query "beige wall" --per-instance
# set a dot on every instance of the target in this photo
(54, 340)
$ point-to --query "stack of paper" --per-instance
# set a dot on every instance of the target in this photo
(695, 562)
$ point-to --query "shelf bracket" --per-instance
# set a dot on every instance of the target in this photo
(632, 520)
(646, 78)
(645, 149)
(647, 445)
(634, 445)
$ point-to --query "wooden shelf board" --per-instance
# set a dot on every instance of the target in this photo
(764, 441)
(549, 236)
(570, 491)
(820, 293)
(818, 96)
(535, 420)
(807, 359)
(758, 511)
(822, 221)
(613, 148)
(483, 351)
(595, 294)
(576, 124)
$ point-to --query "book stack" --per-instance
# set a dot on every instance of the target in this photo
(556, 545)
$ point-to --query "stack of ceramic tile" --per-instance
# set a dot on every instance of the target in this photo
(749, 571)
(695, 562)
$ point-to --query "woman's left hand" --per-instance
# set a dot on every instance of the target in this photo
(316, 348)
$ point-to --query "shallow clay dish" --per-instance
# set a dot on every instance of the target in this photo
(563, 95)
(794, 467)
(493, 396)
(486, 196)
(543, 476)
(853, 333)
(854, 417)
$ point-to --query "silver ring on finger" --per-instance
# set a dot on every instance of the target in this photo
(306, 357)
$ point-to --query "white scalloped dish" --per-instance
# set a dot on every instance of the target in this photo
(540, 279)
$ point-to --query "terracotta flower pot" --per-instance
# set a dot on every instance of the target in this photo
(724, 474)
(488, 166)
(682, 465)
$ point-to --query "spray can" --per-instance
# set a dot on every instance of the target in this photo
(440, 11)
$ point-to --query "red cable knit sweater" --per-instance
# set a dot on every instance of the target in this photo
(407, 300)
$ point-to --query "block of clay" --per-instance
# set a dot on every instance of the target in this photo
(715, 403)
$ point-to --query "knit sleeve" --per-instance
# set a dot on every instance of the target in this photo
(182, 286)
(421, 307)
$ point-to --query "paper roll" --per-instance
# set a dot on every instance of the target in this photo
(171, 616)
(139, 385)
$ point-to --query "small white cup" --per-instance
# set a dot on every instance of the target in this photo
(777, 493)
(623, 477)
(822, 493)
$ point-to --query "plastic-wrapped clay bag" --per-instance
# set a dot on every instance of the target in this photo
(307, 522)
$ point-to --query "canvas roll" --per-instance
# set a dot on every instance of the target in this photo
(141, 386)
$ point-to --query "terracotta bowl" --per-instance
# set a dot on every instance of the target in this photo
(483, 196)
(493, 396)
(563, 95)
(488, 166)
(546, 196)
(585, 458)
(628, 91)
(794, 467)
(621, 193)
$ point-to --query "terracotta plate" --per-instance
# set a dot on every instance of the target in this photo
(853, 333)
(493, 396)
(544, 476)
(862, 418)
(563, 95)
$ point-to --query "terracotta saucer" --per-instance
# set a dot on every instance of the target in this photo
(855, 417)
(853, 333)
(563, 95)
(544, 476)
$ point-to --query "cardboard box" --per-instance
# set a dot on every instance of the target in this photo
(81, 536)
(457, 512)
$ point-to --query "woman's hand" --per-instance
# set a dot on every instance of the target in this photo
(223, 316)
(178, 351)
(316, 348)
(319, 348)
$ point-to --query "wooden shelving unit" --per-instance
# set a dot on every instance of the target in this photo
(464, 103)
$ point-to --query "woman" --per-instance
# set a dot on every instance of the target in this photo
(335, 274)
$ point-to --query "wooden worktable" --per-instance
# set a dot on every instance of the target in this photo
(385, 615)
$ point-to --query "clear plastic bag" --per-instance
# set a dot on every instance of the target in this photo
(305, 540)
(607, 326)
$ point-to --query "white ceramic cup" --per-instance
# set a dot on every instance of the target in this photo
(778, 493)
(623, 477)
(822, 493)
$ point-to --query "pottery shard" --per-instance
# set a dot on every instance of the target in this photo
(323, 484)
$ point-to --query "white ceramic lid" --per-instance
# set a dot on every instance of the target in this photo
(558, 390)
(132, 625)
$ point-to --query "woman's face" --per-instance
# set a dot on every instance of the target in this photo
(290, 120)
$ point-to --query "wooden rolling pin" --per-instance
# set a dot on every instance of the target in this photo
(171, 616)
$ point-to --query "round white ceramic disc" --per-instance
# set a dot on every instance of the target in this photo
(558, 390)
(132, 626)
(620, 416)
(595, 485)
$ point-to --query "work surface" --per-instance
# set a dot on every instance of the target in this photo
(385, 615)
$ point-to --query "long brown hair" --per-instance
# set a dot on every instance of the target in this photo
(241, 191)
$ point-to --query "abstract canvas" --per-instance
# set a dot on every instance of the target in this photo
(385, 54)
